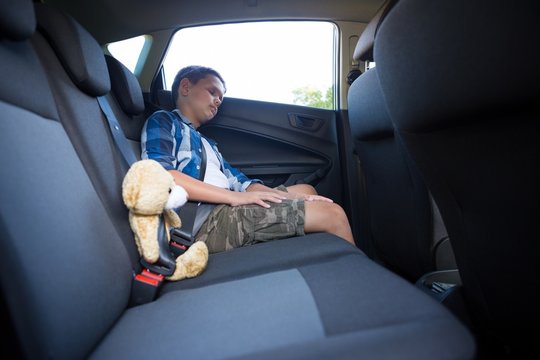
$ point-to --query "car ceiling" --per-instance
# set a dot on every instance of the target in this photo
(113, 20)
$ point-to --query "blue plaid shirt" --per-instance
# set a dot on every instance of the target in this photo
(171, 140)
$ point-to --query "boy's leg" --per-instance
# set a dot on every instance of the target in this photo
(230, 227)
(303, 189)
(323, 216)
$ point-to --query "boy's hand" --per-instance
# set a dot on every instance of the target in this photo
(317, 198)
(287, 195)
(292, 196)
(255, 197)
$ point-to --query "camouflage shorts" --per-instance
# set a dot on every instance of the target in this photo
(230, 227)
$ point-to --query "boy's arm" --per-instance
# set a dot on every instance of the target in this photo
(200, 191)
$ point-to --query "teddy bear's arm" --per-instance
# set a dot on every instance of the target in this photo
(172, 218)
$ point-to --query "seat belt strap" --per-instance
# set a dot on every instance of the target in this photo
(203, 161)
(148, 282)
(182, 238)
(116, 131)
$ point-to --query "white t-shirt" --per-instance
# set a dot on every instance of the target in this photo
(213, 175)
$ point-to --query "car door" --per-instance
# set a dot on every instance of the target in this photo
(280, 143)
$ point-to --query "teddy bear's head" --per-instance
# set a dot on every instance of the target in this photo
(148, 189)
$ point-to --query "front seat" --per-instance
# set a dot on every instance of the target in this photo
(461, 81)
(402, 223)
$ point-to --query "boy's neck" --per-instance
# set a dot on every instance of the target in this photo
(187, 118)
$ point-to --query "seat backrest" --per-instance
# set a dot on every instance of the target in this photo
(57, 240)
(402, 219)
(78, 74)
(462, 85)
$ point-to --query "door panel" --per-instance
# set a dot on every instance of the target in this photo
(279, 143)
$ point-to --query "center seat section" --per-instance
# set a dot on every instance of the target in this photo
(68, 267)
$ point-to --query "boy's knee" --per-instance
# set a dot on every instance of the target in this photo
(326, 209)
(333, 212)
(337, 212)
(340, 224)
(306, 189)
(328, 217)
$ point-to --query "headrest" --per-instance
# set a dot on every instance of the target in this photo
(125, 86)
(17, 19)
(77, 50)
(164, 100)
(440, 61)
(368, 117)
(24, 82)
(364, 47)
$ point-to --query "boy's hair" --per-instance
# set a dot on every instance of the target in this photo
(193, 73)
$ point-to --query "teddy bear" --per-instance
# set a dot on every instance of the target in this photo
(149, 191)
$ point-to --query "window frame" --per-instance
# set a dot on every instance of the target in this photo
(163, 80)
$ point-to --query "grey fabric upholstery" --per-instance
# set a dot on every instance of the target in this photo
(127, 101)
(17, 20)
(70, 264)
(79, 111)
(370, 119)
(125, 86)
(215, 312)
(364, 48)
(77, 50)
(61, 229)
(385, 325)
(395, 200)
(265, 257)
(25, 77)
(56, 237)
(470, 122)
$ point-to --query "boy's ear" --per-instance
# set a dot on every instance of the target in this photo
(184, 86)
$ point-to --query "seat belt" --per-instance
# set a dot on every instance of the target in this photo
(148, 282)
(193, 215)
(116, 131)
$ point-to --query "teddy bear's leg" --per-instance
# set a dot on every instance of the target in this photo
(191, 263)
(146, 230)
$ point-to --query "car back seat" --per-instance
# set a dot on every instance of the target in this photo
(128, 105)
(67, 269)
(65, 274)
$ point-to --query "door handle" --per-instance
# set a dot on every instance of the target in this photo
(305, 122)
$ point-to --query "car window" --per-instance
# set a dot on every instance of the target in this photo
(128, 51)
(289, 62)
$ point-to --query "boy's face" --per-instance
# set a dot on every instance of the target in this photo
(200, 101)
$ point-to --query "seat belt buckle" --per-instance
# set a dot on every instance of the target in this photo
(145, 287)
(177, 249)
(179, 242)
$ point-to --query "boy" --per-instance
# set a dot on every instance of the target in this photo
(249, 212)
